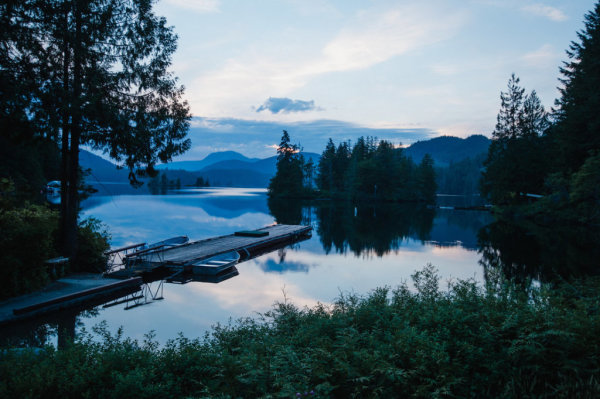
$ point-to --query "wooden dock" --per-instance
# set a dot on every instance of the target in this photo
(75, 291)
(246, 245)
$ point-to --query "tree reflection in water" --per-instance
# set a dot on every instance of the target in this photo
(343, 226)
(525, 251)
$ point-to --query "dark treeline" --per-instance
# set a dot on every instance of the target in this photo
(366, 170)
(461, 177)
(555, 155)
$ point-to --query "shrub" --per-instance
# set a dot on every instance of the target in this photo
(94, 240)
(466, 341)
(25, 243)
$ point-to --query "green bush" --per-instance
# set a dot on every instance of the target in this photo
(26, 241)
(94, 240)
(465, 341)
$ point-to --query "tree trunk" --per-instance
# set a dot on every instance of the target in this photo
(64, 168)
(72, 206)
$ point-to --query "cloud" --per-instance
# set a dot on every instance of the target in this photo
(368, 38)
(541, 57)
(287, 105)
(378, 37)
(201, 6)
(549, 12)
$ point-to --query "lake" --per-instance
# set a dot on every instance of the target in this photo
(354, 248)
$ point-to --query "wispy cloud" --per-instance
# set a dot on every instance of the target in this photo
(542, 57)
(287, 105)
(201, 6)
(369, 38)
(543, 10)
(378, 37)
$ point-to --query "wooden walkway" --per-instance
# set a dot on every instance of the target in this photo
(246, 246)
(68, 292)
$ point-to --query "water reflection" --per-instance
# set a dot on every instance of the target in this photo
(380, 228)
(353, 248)
(524, 251)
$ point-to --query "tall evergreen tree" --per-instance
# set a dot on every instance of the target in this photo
(289, 179)
(533, 119)
(516, 161)
(325, 168)
(577, 131)
(510, 115)
(98, 70)
(341, 162)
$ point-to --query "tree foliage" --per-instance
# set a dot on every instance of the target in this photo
(577, 131)
(557, 160)
(372, 169)
(96, 73)
(516, 157)
(289, 178)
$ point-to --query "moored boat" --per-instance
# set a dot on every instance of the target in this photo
(215, 264)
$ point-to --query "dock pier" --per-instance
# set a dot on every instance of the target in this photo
(247, 244)
(139, 265)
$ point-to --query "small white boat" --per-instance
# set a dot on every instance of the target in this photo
(53, 188)
(214, 265)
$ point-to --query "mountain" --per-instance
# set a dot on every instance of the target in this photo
(449, 149)
(101, 169)
(266, 166)
(227, 168)
(238, 173)
(210, 159)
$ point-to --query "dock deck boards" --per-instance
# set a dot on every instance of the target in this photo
(202, 249)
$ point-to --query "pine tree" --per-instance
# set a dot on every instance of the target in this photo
(510, 114)
(288, 179)
(325, 168)
(533, 119)
(577, 133)
(516, 163)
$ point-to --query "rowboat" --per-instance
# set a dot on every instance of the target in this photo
(214, 265)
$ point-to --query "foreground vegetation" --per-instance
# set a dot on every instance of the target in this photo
(463, 341)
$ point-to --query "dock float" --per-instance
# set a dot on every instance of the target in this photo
(79, 291)
(246, 244)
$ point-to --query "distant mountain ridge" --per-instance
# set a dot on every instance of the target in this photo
(448, 149)
(210, 159)
(101, 169)
(230, 168)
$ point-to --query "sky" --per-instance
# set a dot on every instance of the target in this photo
(399, 70)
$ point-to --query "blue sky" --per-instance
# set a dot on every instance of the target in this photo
(408, 69)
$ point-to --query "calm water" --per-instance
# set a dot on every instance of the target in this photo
(352, 249)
